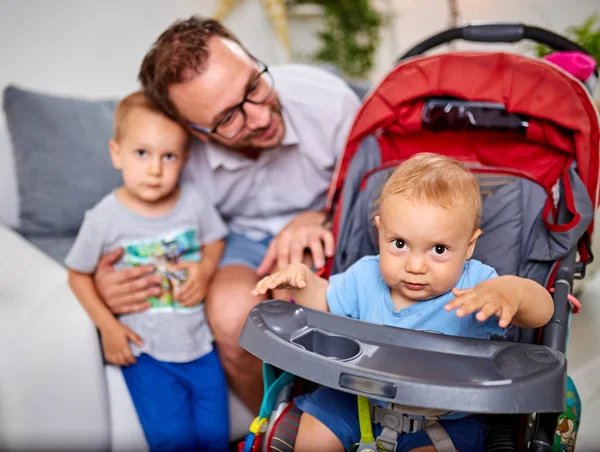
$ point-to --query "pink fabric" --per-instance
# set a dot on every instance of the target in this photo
(578, 64)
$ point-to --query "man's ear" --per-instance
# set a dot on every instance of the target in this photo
(473, 242)
(115, 154)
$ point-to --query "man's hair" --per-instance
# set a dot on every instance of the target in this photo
(126, 105)
(178, 54)
(438, 180)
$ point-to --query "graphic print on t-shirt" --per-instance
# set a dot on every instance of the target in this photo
(165, 253)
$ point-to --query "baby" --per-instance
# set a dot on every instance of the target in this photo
(423, 279)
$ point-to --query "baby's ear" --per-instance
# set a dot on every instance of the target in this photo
(473, 242)
(377, 222)
(115, 155)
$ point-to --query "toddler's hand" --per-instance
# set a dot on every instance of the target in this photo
(195, 288)
(291, 276)
(489, 297)
(115, 343)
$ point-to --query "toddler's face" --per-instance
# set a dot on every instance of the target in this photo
(423, 247)
(150, 154)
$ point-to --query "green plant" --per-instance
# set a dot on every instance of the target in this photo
(587, 35)
(350, 36)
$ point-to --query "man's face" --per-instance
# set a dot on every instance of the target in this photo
(208, 98)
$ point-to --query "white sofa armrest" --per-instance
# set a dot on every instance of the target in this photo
(54, 391)
(52, 384)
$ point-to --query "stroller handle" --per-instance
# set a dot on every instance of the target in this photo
(495, 32)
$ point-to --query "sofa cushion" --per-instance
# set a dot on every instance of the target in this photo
(62, 161)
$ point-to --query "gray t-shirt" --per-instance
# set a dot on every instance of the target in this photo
(170, 333)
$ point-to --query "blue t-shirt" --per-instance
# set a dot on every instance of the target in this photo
(361, 293)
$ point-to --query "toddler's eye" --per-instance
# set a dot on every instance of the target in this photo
(169, 156)
(439, 249)
(141, 153)
(399, 244)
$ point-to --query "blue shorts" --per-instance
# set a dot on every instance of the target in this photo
(338, 411)
(241, 250)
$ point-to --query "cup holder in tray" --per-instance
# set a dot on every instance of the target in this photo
(330, 346)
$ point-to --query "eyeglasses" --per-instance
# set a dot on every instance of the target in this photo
(235, 119)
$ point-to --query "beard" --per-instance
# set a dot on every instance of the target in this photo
(251, 141)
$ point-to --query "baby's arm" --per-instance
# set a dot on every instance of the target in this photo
(306, 288)
(515, 300)
(115, 335)
(535, 304)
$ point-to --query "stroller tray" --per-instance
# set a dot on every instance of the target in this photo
(412, 368)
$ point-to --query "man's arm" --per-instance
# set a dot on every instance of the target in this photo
(305, 231)
(127, 290)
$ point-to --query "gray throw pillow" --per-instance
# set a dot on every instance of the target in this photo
(61, 156)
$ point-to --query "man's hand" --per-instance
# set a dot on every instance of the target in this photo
(194, 289)
(293, 276)
(303, 232)
(115, 343)
(126, 290)
(488, 298)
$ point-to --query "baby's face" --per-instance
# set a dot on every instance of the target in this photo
(151, 154)
(423, 247)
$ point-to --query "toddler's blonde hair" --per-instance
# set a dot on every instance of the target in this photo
(436, 179)
(128, 104)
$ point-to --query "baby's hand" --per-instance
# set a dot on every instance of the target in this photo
(115, 343)
(488, 297)
(291, 276)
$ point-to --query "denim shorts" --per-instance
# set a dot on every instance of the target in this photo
(338, 411)
(241, 250)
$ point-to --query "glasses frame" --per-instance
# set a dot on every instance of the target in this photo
(240, 106)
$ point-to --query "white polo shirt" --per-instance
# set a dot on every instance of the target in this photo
(259, 197)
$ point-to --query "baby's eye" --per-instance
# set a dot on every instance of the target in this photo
(169, 156)
(399, 244)
(439, 249)
(141, 153)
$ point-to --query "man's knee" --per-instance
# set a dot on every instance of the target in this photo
(229, 302)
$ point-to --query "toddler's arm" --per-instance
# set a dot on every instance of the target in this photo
(200, 274)
(83, 286)
(115, 336)
(306, 288)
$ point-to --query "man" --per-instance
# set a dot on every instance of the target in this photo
(267, 143)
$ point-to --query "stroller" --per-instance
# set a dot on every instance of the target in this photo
(530, 133)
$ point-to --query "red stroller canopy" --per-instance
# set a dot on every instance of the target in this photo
(563, 122)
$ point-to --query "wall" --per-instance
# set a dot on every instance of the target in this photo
(411, 21)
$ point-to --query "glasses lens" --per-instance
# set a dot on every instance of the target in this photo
(261, 89)
(232, 124)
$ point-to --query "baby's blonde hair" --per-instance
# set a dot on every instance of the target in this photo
(128, 104)
(436, 179)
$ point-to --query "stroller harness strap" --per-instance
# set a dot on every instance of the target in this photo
(395, 423)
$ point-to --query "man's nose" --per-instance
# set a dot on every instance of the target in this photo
(257, 116)
(415, 264)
